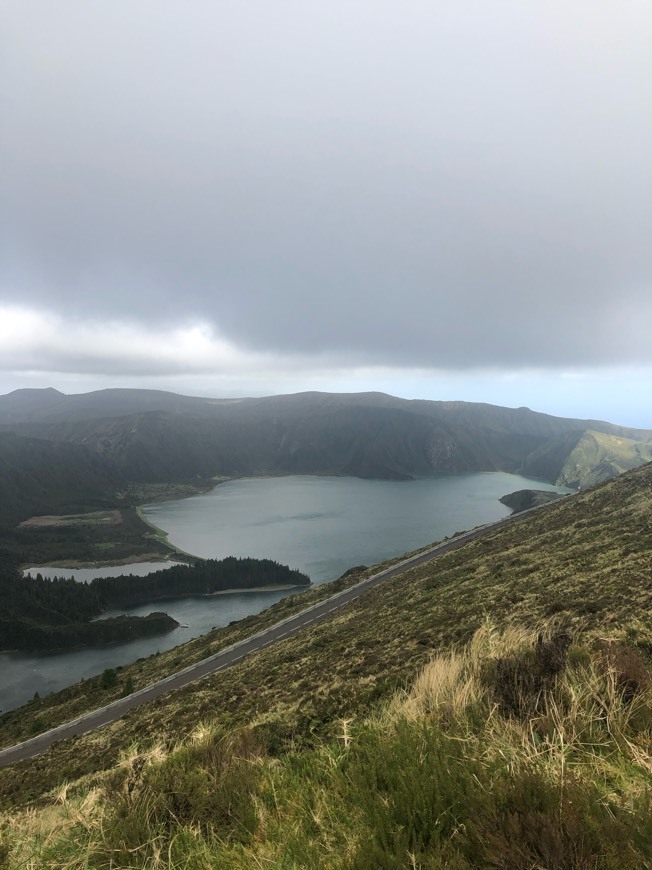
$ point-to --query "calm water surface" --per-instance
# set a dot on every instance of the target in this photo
(320, 525)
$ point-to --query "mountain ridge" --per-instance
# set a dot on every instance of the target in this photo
(155, 436)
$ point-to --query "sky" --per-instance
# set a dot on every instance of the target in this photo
(441, 200)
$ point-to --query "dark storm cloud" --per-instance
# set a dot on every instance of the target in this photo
(432, 184)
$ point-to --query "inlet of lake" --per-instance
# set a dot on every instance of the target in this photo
(319, 525)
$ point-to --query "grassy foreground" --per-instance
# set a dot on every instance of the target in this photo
(427, 726)
(514, 752)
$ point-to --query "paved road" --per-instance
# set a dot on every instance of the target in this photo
(229, 656)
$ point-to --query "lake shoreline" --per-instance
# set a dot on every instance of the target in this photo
(320, 525)
(193, 490)
(72, 564)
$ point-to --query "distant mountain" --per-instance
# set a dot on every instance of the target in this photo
(153, 436)
(23, 404)
(49, 405)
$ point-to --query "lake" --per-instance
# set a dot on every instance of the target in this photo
(320, 525)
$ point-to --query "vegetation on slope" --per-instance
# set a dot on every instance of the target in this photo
(585, 457)
(515, 751)
(46, 477)
(586, 558)
(96, 538)
(598, 456)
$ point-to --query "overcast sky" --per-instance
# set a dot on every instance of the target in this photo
(433, 199)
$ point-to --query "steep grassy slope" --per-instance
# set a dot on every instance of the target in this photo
(464, 769)
(583, 458)
(598, 456)
(585, 561)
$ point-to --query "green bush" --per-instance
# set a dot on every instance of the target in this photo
(413, 789)
(108, 679)
(520, 682)
(208, 786)
(428, 798)
(537, 822)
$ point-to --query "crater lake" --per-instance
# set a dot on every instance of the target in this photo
(319, 525)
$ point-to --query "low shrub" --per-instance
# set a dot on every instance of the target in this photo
(206, 786)
(627, 667)
(541, 822)
(519, 682)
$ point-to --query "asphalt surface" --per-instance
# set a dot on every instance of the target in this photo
(233, 654)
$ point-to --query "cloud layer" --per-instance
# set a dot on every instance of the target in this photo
(436, 185)
(37, 340)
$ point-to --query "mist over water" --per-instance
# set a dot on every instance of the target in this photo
(319, 525)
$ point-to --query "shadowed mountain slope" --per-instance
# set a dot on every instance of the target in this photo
(154, 436)
(40, 477)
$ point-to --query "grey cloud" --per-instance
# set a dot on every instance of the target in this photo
(438, 184)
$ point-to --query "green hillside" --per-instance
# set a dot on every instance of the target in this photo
(598, 456)
(488, 709)
(584, 458)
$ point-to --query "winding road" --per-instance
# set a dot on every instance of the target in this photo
(233, 654)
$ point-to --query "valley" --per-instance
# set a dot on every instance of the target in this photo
(118, 449)
(123, 440)
(522, 652)
(287, 627)
(75, 471)
(325, 436)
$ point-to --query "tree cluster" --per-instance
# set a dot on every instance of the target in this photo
(55, 614)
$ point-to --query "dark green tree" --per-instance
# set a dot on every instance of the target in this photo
(108, 679)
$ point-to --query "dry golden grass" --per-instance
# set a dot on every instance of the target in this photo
(586, 718)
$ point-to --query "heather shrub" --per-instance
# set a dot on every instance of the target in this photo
(519, 682)
(207, 786)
